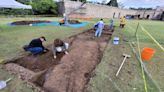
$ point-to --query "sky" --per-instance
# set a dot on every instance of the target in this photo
(139, 3)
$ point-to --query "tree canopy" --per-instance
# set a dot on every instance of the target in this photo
(140, 8)
(39, 7)
(113, 3)
(44, 7)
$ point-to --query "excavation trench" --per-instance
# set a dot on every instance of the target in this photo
(68, 73)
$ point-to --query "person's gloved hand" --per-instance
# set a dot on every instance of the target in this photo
(45, 50)
(55, 57)
(66, 53)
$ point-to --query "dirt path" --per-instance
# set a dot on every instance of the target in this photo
(68, 73)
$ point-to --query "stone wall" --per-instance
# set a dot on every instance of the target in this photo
(103, 11)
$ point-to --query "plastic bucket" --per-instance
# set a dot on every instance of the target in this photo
(147, 54)
(116, 40)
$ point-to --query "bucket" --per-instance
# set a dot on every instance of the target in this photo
(147, 53)
(116, 40)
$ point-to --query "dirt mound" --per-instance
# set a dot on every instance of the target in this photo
(40, 62)
(73, 22)
(23, 73)
(28, 22)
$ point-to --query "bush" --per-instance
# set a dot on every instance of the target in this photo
(8, 11)
(44, 7)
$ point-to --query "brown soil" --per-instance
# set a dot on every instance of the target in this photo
(68, 73)
(29, 22)
(73, 22)
(38, 63)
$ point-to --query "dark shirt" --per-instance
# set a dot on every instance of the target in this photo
(36, 43)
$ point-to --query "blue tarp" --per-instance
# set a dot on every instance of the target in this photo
(11, 24)
(47, 24)
(82, 24)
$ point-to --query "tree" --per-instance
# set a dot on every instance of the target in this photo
(38, 7)
(44, 7)
(24, 1)
(41, 6)
(104, 2)
(140, 8)
(113, 3)
(121, 5)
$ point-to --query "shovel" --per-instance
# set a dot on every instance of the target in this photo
(3, 84)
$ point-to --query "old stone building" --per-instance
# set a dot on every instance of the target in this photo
(102, 11)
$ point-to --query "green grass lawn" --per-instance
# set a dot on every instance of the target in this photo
(12, 38)
(155, 66)
(130, 78)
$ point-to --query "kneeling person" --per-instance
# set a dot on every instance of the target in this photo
(36, 46)
(59, 46)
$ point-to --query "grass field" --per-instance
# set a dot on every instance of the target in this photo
(131, 78)
(155, 66)
(12, 38)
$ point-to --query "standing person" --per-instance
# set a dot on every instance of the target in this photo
(111, 25)
(36, 46)
(122, 22)
(59, 46)
(65, 19)
(100, 27)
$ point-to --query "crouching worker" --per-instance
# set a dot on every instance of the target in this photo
(59, 46)
(61, 22)
(36, 46)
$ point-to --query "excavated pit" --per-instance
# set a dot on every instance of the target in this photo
(25, 22)
(68, 73)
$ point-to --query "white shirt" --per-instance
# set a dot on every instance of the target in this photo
(100, 24)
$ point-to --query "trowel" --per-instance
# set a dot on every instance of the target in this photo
(3, 84)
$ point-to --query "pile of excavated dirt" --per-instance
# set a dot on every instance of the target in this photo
(28, 22)
(23, 73)
(73, 22)
(67, 73)
(38, 63)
